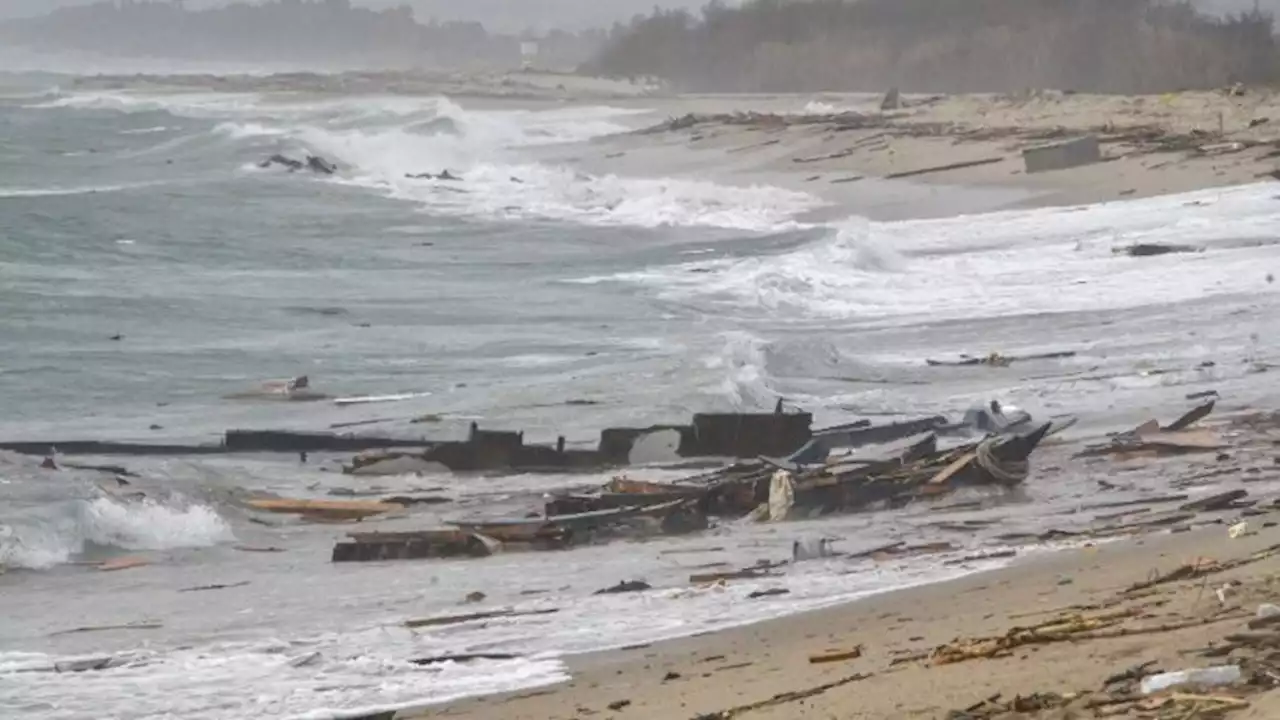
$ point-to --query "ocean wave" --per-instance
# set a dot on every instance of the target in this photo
(146, 131)
(52, 539)
(497, 182)
(745, 379)
(19, 192)
(379, 141)
(197, 105)
(1000, 264)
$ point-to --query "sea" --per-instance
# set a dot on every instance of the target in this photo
(150, 269)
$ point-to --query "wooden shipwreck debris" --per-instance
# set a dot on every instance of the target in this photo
(998, 360)
(918, 471)
(366, 547)
(473, 617)
(836, 656)
(1178, 437)
(481, 538)
(323, 509)
(943, 168)
(462, 658)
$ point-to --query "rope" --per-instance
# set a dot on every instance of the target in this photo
(1010, 472)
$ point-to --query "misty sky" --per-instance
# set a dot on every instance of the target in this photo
(516, 15)
(502, 15)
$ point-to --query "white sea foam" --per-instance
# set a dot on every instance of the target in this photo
(377, 149)
(199, 105)
(363, 669)
(377, 141)
(348, 678)
(1007, 263)
(41, 542)
(146, 131)
(745, 375)
(30, 192)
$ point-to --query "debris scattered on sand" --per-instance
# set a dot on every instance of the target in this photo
(123, 563)
(202, 588)
(144, 625)
(462, 658)
(323, 509)
(472, 617)
(836, 656)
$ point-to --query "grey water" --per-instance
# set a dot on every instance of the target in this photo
(149, 269)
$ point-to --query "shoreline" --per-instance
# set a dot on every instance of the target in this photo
(950, 155)
(764, 670)
(758, 665)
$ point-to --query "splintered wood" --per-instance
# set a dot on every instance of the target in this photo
(1178, 706)
(1254, 648)
(1057, 630)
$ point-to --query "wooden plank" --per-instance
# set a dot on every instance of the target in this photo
(943, 168)
(347, 509)
(956, 466)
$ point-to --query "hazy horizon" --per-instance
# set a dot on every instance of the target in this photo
(496, 15)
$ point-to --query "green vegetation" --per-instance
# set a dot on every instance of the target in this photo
(1108, 46)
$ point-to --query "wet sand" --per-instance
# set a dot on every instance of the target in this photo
(764, 671)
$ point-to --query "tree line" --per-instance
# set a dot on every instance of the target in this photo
(1107, 46)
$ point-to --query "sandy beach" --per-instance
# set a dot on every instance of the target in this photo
(961, 153)
(766, 671)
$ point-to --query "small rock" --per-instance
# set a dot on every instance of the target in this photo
(474, 597)
(87, 664)
(625, 587)
(619, 704)
(671, 676)
(768, 593)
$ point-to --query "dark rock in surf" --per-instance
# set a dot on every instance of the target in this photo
(281, 160)
(314, 163)
(444, 175)
(1152, 249)
(626, 587)
(319, 165)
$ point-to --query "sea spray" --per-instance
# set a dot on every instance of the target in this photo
(55, 535)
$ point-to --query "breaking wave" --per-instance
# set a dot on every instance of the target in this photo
(61, 192)
(379, 141)
(60, 536)
(1009, 263)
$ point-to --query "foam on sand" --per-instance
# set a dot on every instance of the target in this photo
(326, 678)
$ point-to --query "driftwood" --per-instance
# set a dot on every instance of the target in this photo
(325, 509)
(943, 168)
(472, 617)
